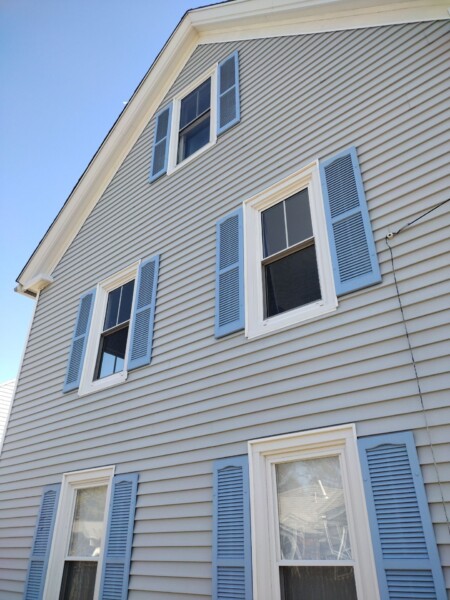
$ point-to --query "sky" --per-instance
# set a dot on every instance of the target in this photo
(67, 68)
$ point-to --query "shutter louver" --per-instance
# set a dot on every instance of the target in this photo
(119, 538)
(79, 341)
(141, 337)
(232, 576)
(34, 586)
(407, 560)
(228, 103)
(353, 253)
(229, 275)
(160, 151)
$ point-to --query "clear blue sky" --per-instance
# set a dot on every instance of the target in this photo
(66, 69)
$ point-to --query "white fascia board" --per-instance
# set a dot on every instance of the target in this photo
(238, 20)
(264, 19)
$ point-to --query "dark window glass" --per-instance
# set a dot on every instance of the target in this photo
(317, 583)
(78, 580)
(126, 302)
(195, 104)
(195, 120)
(298, 218)
(291, 281)
(274, 229)
(194, 137)
(112, 352)
(118, 309)
(112, 308)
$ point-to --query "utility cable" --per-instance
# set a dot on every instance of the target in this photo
(390, 236)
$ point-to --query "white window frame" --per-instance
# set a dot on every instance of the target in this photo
(172, 165)
(88, 384)
(256, 324)
(264, 454)
(63, 525)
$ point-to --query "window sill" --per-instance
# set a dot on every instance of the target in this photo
(288, 320)
(191, 158)
(103, 384)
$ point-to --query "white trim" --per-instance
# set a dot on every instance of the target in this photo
(255, 323)
(70, 483)
(263, 455)
(238, 20)
(88, 384)
(172, 165)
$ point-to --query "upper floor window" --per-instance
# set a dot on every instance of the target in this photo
(114, 328)
(194, 119)
(114, 337)
(289, 273)
(291, 277)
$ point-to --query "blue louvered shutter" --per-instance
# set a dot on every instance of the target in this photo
(119, 538)
(232, 561)
(34, 585)
(229, 274)
(353, 253)
(161, 139)
(141, 336)
(79, 341)
(228, 103)
(406, 556)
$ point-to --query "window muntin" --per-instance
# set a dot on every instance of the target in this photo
(114, 337)
(195, 121)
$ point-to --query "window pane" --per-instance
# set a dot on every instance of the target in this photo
(274, 229)
(195, 103)
(298, 217)
(194, 138)
(311, 510)
(112, 308)
(291, 282)
(317, 583)
(125, 302)
(112, 353)
(78, 580)
(87, 526)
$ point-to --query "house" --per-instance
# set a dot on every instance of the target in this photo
(236, 380)
(6, 396)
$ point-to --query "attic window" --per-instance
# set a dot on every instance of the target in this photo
(195, 121)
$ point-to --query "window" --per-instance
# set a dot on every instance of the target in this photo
(191, 123)
(114, 338)
(75, 564)
(310, 524)
(195, 121)
(194, 127)
(288, 267)
(114, 329)
(108, 342)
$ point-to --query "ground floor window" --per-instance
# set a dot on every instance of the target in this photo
(311, 535)
(79, 539)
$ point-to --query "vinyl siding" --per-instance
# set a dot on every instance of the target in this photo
(384, 90)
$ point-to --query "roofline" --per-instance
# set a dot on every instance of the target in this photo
(225, 21)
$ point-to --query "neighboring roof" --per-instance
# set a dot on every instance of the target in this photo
(227, 21)
(6, 397)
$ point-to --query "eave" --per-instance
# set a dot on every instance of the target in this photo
(236, 20)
